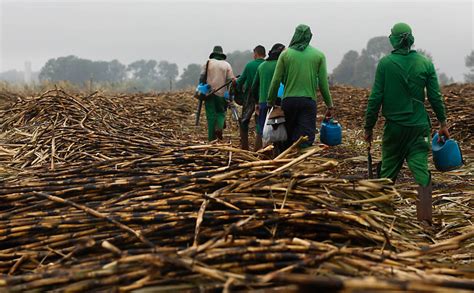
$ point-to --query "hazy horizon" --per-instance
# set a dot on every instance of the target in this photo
(185, 32)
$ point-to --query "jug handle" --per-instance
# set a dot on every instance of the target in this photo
(460, 151)
(441, 138)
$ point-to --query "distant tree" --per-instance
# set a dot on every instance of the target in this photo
(116, 71)
(364, 70)
(12, 76)
(378, 47)
(70, 68)
(238, 60)
(190, 76)
(168, 72)
(426, 54)
(359, 69)
(344, 72)
(143, 70)
(444, 79)
(469, 61)
(77, 70)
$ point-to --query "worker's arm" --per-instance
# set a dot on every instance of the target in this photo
(434, 95)
(323, 83)
(229, 73)
(374, 102)
(202, 77)
(242, 78)
(277, 78)
(254, 92)
(436, 100)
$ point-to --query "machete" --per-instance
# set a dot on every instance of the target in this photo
(369, 162)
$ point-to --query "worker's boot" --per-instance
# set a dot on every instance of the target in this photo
(244, 139)
(219, 134)
(424, 204)
(258, 142)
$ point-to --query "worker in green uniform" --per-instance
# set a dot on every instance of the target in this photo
(302, 69)
(244, 84)
(399, 88)
(260, 87)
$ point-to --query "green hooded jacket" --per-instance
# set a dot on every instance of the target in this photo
(400, 82)
(301, 38)
(302, 69)
(262, 80)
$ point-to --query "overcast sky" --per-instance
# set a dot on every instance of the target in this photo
(185, 31)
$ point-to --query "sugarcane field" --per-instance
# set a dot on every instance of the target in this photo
(105, 193)
(236, 146)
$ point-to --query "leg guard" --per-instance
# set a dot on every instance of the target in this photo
(424, 205)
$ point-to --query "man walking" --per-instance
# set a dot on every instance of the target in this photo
(217, 72)
(260, 87)
(244, 84)
(302, 69)
(399, 88)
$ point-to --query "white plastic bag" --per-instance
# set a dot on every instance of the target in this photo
(278, 132)
(274, 132)
(266, 130)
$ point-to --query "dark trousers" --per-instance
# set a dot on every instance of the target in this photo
(300, 115)
(248, 107)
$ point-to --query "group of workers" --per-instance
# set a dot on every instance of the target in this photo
(401, 80)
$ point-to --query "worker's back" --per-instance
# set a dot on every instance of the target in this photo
(302, 70)
(218, 73)
(265, 75)
(405, 79)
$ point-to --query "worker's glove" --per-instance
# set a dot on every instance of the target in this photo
(443, 132)
(257, 109)
(368, 136)
(329, 112)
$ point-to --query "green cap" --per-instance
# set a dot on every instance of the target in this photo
(400, 28)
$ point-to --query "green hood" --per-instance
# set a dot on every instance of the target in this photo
(301, 38)
(401, 38)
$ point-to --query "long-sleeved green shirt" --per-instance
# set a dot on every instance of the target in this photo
(245, 80)
(262, 81)
(399, 88)
(302, 73)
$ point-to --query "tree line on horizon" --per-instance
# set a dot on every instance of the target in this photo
(355, 69)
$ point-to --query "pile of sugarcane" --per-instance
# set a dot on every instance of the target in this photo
(211, 216)
(57, 128)
(133, 207)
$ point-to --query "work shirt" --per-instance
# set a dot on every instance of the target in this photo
(302, 73)
(399, 88)
(218, 73)
(262, 81)
(245, 80)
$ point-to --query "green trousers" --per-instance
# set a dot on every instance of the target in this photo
(215, 114)
(402, 143)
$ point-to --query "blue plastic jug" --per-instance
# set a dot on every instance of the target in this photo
(203, 88)
(281, 90)
(331, 132)
(446, 154)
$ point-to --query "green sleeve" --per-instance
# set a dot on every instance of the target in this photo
(276, 80)
(375, 98)
(255, 87)
(323, 82)
(241, 80)
(434, 95)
